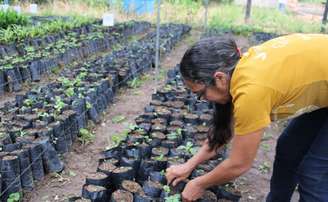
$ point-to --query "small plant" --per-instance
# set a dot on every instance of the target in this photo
(28, 102)
(22, 133)
(118, 119)
(14, 197)
(69, 92)
(86, 136)
(168, 87)
(59, 104)
(264, 167)
(135, 83)
(118, 138)
(189, 148)
(66, 82)
(167, 189)
(159, 158)
(173, 198)
(179, 131)
(88, 105)
(43, 114)
(172, 136)
(148, 139)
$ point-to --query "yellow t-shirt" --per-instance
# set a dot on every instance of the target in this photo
(280, 78)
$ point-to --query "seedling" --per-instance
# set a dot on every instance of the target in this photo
(173, 198)
(14, 197)
(22, 133)
(148, 139)
(265, 146)
(66, 82)
(28, 102)
(159, 158)
(189, 148)
(118, 119)
(168, 87)
(117, 139)
(179, 131)
(43, 114)
(264, 167)
(86, 136)
(167, 189)
(69, 92)
(88, 105)
(172, 136)
(135, 83)
(59, 104)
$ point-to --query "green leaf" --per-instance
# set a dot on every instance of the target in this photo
(71, 173)
(118, 119)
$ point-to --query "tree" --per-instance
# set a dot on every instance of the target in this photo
(248, 10)
(324, 19)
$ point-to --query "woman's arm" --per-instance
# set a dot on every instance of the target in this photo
(243, 152)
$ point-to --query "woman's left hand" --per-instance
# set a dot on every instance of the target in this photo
(192, 191)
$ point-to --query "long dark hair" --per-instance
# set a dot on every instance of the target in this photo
(199, 64)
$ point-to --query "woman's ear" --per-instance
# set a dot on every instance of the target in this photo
(221, 80)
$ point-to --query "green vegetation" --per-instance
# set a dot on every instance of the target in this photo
(173, 198)
(189, 148)
(313, 1)
(14, 197)
(19, 33)
(231, 17)
(10, 17)
(86, 136)
(118, 119)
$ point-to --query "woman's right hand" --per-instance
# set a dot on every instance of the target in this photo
(176, 173)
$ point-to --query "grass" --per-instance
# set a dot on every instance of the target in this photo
(262, 19)
(313, 1)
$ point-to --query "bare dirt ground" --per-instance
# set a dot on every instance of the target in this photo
(129, 103)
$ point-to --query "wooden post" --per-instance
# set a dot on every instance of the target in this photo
(324, 19)
(248, 10)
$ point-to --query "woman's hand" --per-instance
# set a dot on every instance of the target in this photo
(177, 173)
(192, 191)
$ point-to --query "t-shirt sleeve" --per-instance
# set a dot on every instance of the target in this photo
(252, 108)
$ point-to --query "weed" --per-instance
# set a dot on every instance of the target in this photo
(118, 119)
(264, 167)
(86, 136)
(266, 147)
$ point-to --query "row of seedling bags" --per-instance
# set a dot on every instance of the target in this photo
(32, 66)
(169, 132)
(45, 121)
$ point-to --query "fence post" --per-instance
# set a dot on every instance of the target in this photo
(157, 44)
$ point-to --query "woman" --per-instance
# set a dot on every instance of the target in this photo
(282, 78)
